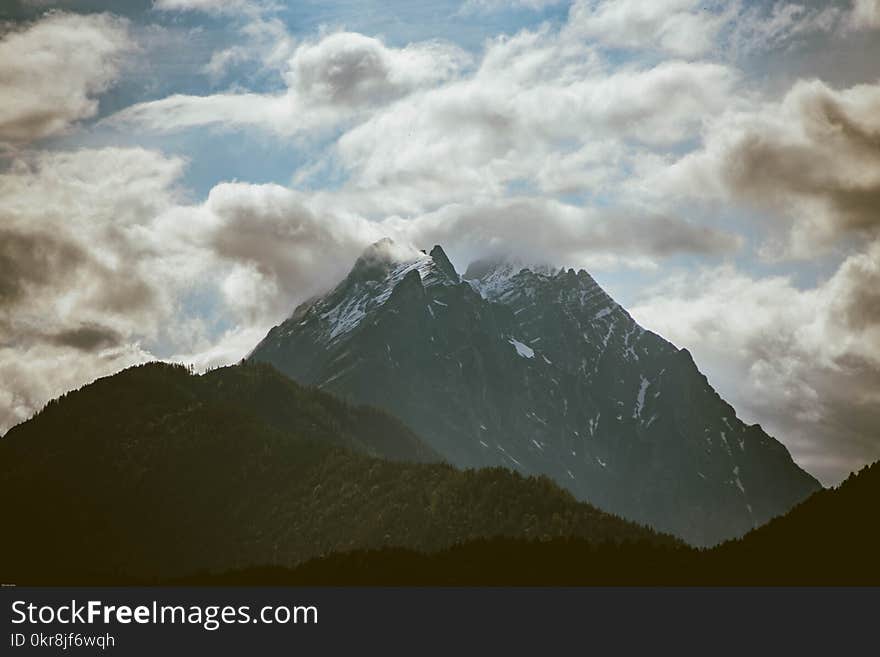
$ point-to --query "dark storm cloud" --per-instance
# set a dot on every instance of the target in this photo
(39, 262)
(87, 337)
(815, 158)
(32, 260)
(666, 236)
(764, 164)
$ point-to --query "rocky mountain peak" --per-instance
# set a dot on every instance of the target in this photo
(438, 255)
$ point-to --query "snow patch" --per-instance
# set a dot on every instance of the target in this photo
(640, 398)
(523, 350)
(726, 444)
(738, 482)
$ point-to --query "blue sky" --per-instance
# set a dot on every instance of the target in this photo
(177, 175)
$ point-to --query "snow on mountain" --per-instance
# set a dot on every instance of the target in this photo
(373, 278)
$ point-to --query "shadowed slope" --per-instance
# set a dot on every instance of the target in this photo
(155, 473)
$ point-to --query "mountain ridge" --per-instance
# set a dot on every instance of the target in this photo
(543, 372)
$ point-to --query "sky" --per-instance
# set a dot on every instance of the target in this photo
(177, 175)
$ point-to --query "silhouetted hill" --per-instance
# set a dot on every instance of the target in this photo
(155, 473)
(833, 538)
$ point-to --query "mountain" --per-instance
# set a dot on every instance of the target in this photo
(831, 539)
(157, 473)
(540, 371)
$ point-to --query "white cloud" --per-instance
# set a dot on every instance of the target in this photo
(759, 28)
(547, 231)
(680, 27)
(865, 15)
(211, 6)
(347, 68)
(533, 98)
(52, 70)
(265, 41)
(482, 6)
(35, 374)
(329, 81)
(695, 28)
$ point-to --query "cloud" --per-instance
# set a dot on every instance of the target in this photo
(761, 27)
(272, 247)
(86, 337)
(52, 70)
(547, 231)
(694, 28)
(266, 41)
(805, 362)
(211, 6)
(679, 27)
(29, 259)
(422, 128)
(485, 6)
(284, 252)
(72, 224)
(330, 81)
(82, 278)
(347, 68)
(35, 374)
(865, 15)
(104, 264)
(534, 96)
(813, 158)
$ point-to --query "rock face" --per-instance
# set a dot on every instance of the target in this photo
(542, 372)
